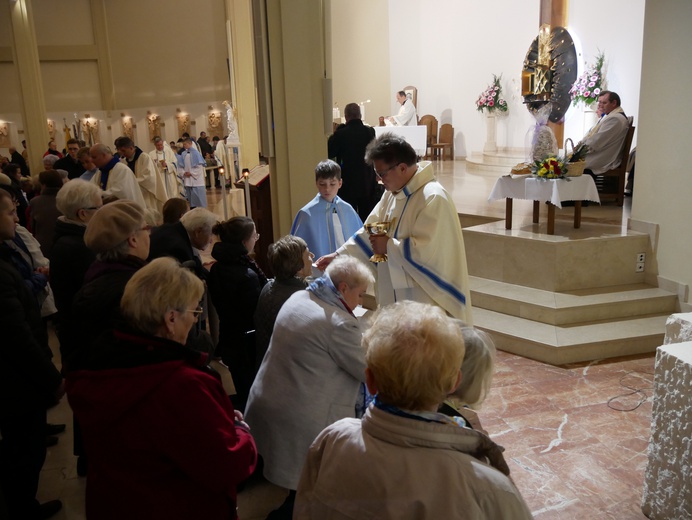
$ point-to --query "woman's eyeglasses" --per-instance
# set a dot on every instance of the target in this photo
(197, 312)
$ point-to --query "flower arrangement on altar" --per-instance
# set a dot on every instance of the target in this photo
(550, 167)
(490, 99)
(589, 85)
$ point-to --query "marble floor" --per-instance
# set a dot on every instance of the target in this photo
(575, 436)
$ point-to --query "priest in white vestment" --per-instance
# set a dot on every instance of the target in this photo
(150, 181)
(424, 244)
(113, 177)
(166, 163)
(407, 113)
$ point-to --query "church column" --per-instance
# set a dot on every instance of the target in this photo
(297, 69)
(100, 28)
(25, 55)
(243, 83)
(554, 13)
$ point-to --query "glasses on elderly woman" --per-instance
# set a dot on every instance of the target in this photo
(199, 310)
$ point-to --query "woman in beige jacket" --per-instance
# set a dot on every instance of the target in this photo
(404, 460)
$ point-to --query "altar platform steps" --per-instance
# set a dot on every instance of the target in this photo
(501, 161)
(558, 345)
(570, 297)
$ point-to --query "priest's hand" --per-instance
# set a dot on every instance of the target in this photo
(324, 261)
(379, 244)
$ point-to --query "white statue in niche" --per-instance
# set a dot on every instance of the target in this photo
(231, 123)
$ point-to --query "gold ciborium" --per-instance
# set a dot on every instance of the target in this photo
(378, 229)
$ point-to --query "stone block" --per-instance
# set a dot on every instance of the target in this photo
(668, 477)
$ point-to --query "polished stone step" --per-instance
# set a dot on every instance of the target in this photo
(501, 161)
(558, 345)
(595, 255)
(570, 307)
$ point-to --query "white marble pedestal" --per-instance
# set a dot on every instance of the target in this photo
(668, 477)
(678, 328)
(491, 133)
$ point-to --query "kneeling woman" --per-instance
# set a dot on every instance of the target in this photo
(311, 374)
(161, 433)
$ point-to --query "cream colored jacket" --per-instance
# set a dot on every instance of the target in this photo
(390, 467)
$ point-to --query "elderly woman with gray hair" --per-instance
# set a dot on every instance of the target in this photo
(312, 373)
(78, 202)
(163, 438)
(405, 460)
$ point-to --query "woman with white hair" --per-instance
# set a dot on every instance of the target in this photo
(70, 257)
(404, 460)
(49, 161)
(312, 373)
(477, 371)
(162, 436)
(193, 230)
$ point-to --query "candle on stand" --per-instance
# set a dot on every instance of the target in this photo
(246, 175)
(222, 181)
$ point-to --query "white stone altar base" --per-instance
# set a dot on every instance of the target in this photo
(678, 328)
(668, 477)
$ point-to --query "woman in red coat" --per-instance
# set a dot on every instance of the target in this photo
(162, 436)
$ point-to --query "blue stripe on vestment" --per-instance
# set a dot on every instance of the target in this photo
(363, 245)
(438, 281)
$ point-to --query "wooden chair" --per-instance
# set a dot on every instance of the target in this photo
(611, 184)
(431, 123)
(445, 140)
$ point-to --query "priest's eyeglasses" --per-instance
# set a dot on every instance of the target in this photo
(385, 172)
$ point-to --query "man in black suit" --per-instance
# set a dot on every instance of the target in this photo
(347, 147)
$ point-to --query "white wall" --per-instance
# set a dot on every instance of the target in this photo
(663, 186)
(360, 56)
(616, 28)
(450, 49)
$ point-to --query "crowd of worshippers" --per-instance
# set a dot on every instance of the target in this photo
(170, 170)
(368, 417)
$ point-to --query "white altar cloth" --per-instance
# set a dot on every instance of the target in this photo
(555, 191)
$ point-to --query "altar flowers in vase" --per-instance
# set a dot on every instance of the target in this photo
(590, 84)
(490, 99)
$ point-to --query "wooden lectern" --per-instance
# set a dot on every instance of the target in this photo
(260, 206)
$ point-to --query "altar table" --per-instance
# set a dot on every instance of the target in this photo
(553, 191)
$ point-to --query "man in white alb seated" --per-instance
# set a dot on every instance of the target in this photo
(407, 113)
(606, 138)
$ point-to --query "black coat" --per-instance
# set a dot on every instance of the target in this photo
(235, 283)
(347, 147)
(173, 240)
(73, 168)
(28, 378)
(69, 261)
(95, 308)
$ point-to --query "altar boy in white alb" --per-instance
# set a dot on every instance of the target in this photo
(191, 168)
(424, 245)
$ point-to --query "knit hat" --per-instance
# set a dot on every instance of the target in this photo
(113, 224)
